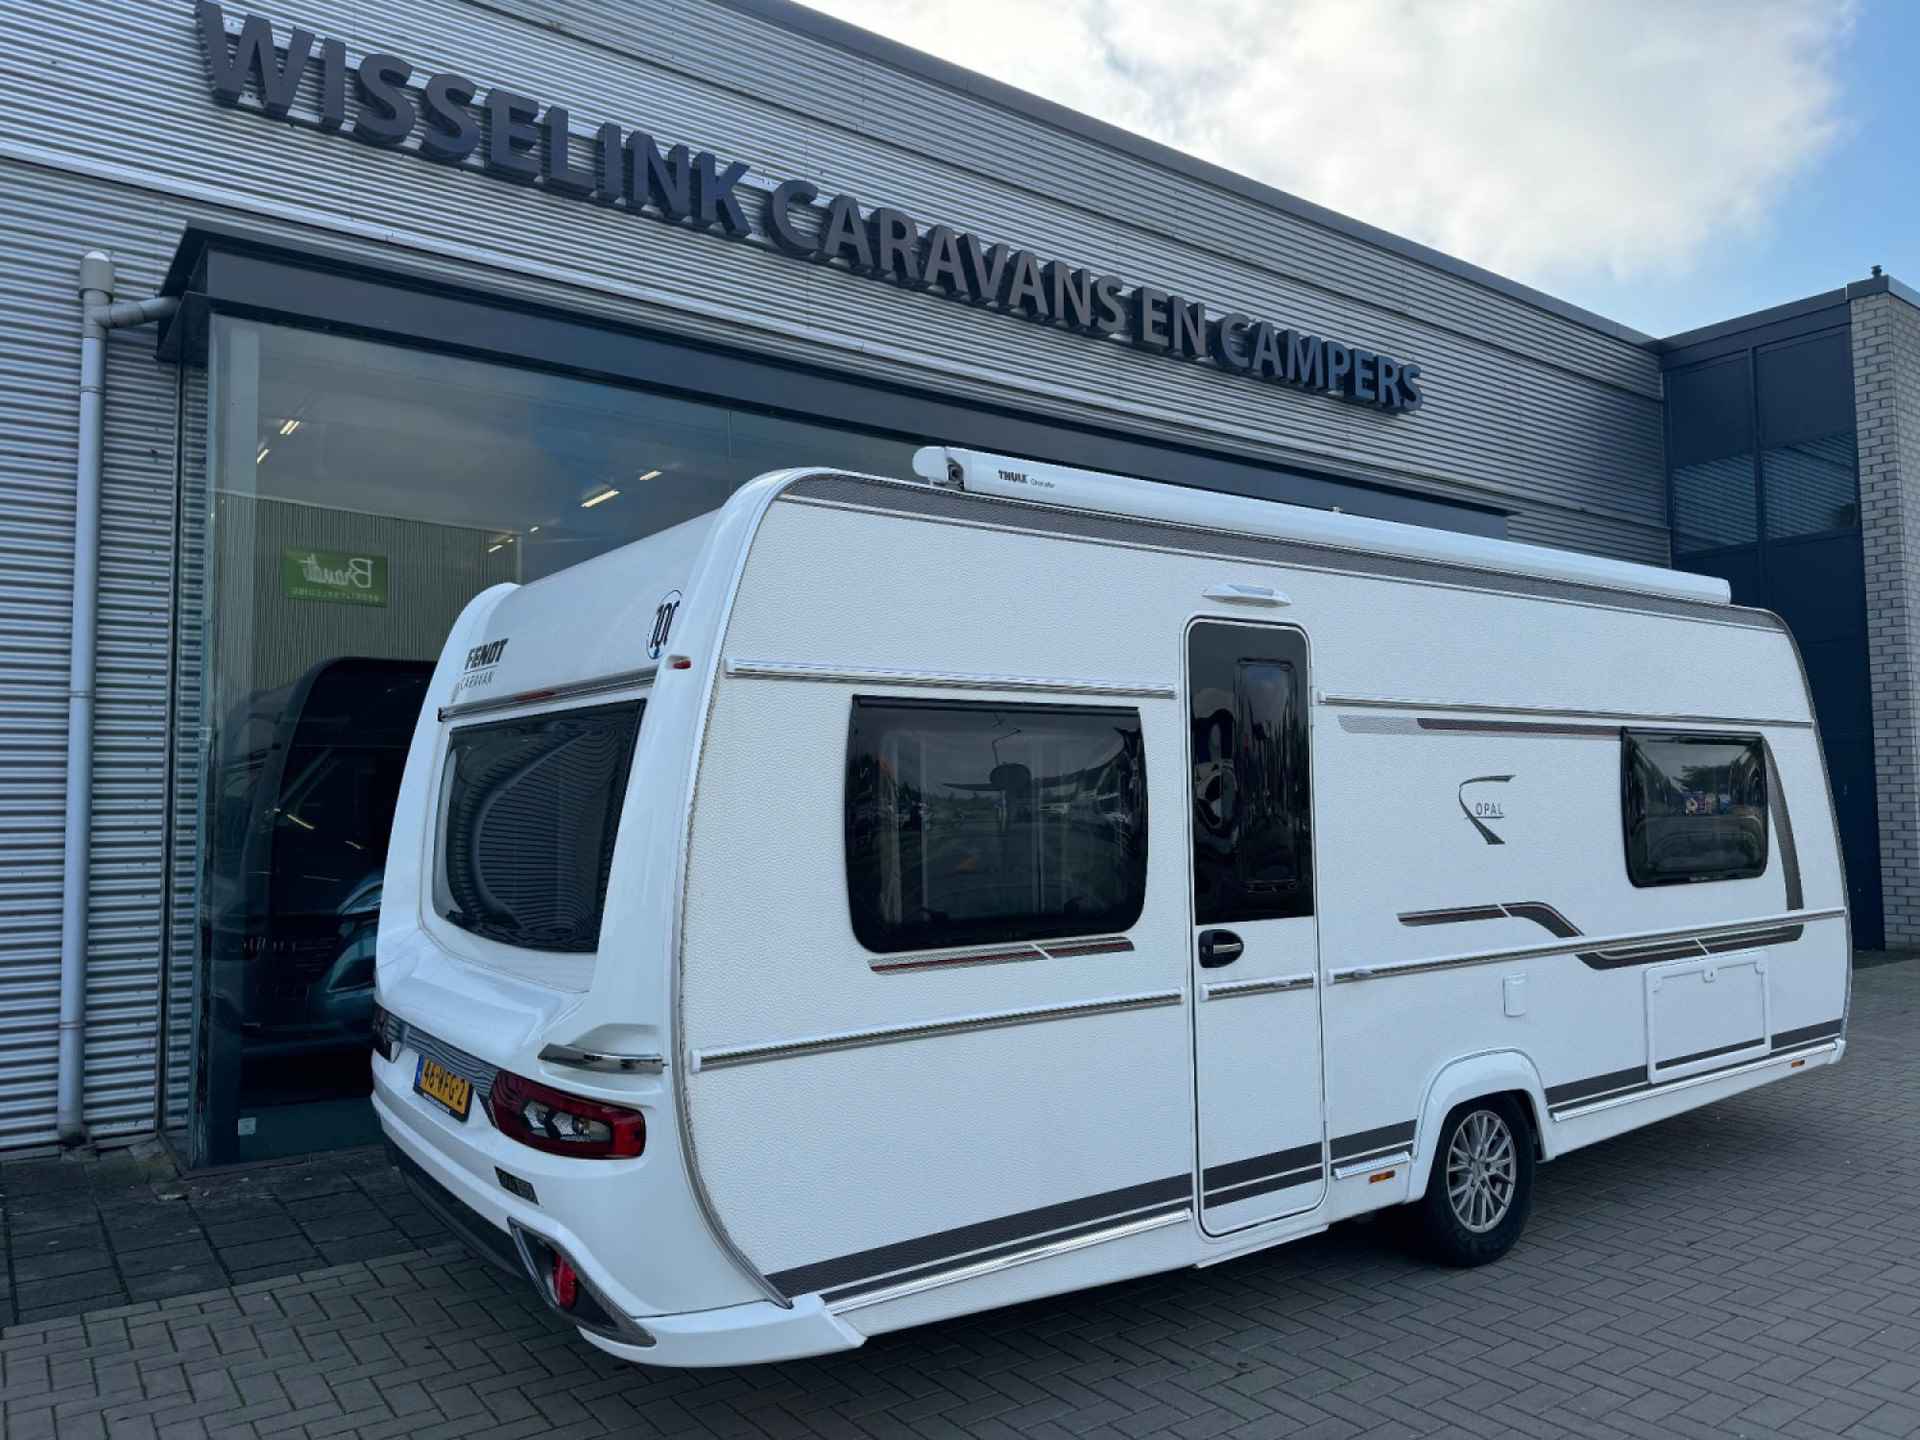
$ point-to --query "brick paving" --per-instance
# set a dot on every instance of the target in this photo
(1752, 1269)
(82, 1235)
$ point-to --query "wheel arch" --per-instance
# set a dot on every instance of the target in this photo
(1477, 1077)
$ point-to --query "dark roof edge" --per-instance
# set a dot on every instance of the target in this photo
(1773, 315)
(811, 23)
(1883, 285)
(1791, 310)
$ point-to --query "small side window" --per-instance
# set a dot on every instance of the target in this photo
(1695, 807)
(973, 824)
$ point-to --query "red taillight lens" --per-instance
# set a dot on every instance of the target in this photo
(566, 1284)
(563, 1124)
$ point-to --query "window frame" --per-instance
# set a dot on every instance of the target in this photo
(1028, 929)
(1630, 738)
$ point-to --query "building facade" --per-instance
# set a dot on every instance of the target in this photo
(457, 295)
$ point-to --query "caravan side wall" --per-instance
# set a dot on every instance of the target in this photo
(841, 1163)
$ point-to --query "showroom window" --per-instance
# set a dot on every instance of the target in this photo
(359, 495)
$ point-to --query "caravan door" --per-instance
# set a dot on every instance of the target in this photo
(1255, 943)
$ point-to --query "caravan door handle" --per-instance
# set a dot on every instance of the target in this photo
(1219, 947)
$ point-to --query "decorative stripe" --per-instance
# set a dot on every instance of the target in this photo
(958, 959)
(726, 1055)
(1275, 985)
(1383, 1140)
(1783, 823)
(1545, 916)
(1595, 1085)
(1688, 1059)
(605, 685)
(898, 1287)
(1266, 1185)
(1642, 954)
(1633, 1080)
(970, 1244)
(1119, 945)
(1825, 1030)
(1785, 935)
(1640, 949)
(1259, 1167)
(1457, 707)
(1455, 916)
(1537, 728)
(944, 679)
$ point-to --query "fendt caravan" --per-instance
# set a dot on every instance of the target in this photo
(885, 899)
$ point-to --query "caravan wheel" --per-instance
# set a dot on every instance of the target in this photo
(1482, 1184)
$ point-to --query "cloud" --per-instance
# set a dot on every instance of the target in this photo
(1545, 139)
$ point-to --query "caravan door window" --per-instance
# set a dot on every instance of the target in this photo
(1252, 838)
(984, 823)
(1694, 807)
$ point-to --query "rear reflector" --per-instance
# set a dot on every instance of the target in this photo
(563, 1124)
(566, 1284)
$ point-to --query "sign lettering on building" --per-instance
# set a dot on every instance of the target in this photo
(333, 575)
(520, 139)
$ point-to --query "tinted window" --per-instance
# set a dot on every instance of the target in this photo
(1710, 450)
(527, 825)
(982, 823)
(1695, 807)
(1252, 854)
(1807, 459)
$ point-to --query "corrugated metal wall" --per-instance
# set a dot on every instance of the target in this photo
(182, 879)
(1526, 408)
(45, 225)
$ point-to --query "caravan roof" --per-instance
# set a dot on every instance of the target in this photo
(1013, 479)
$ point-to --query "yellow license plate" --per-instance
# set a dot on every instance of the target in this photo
(444, 1088)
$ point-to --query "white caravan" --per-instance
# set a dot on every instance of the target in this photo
(885, 899)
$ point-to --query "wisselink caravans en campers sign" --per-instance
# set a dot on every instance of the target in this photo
(520, 139)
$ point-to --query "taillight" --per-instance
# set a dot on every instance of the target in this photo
(563, 1124)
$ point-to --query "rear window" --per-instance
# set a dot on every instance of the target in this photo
(981, 823)
(528, 813)
(1695, 807)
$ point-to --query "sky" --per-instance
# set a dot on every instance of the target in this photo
(1664, 163)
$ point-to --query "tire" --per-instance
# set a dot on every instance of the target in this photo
(1481, 1188)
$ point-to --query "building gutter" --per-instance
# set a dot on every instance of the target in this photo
(99, 314)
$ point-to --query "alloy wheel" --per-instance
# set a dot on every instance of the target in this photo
(1481, 1170)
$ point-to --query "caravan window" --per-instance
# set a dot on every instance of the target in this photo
(982, 823)
(528, 813)
(1695, 807)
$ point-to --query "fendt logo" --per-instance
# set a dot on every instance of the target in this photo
(1482, 806)
(482, 656)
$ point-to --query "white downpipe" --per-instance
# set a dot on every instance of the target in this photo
(99, 314)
